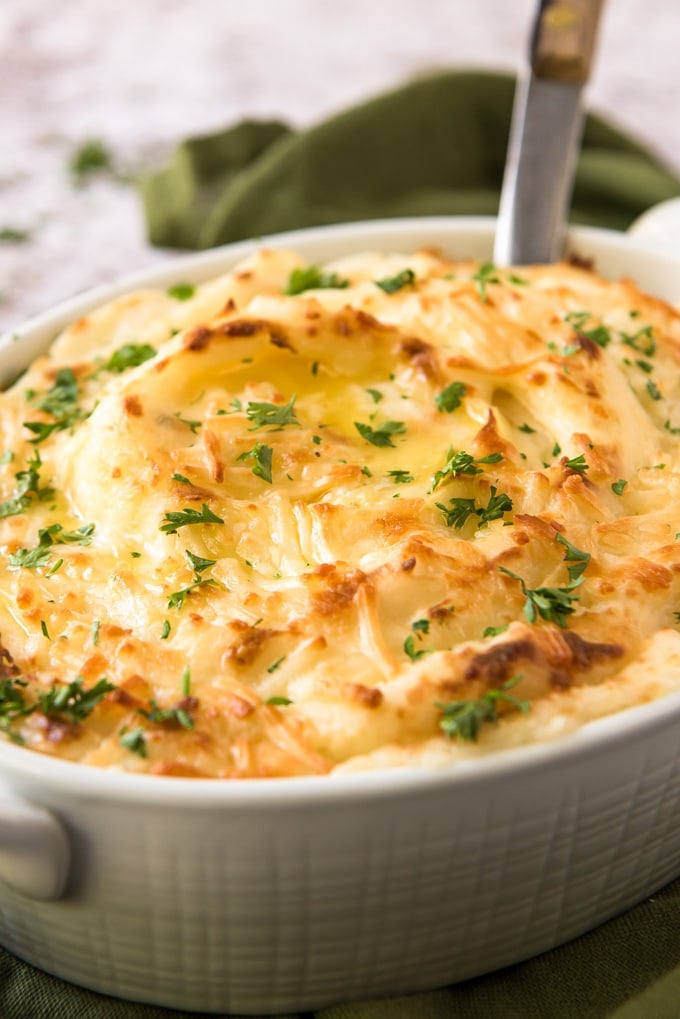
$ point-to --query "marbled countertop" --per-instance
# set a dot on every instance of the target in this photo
(141, 76)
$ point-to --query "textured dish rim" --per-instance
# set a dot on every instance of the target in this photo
(86, 780)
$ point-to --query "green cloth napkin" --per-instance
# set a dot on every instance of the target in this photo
(435, 146)
(629, 968)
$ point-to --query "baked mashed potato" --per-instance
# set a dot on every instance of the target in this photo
(396, 510)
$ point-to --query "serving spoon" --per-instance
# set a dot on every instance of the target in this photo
(545, 133)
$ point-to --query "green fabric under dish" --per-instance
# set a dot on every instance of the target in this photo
(435, 146)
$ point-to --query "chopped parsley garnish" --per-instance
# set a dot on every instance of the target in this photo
(186, 682)
(70, 701)
(381, 436)
(618, 486)
(461, 463)
(486, 274)
(400, 477)
(30, 558)
(554, 604)
(187, 516)
(175, 715)
(391, 284)
(277, 664)
(279, 702)
(643, 341)
(28, 487)
(265, 414)
(459, 510)
(60, 402)
(311, 277)
(527, 429)
(134, 740)
(192, 425)
(450, 397)
(95, 632)
(182, 291)
(375, 395)
(177, 598)
(577, 464)
(56, 535)
(457, 513)
(13, 705)
(165, 632)
(199, 565)
(182, 478)
(130, 355)
(463, 719)
(653, 390)
(419, 627)
(494, 631)
(598, 334)
(261, 454)
(410, 649)
(576, 556)
(577, 319)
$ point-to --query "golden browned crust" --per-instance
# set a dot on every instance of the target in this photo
(249, 534)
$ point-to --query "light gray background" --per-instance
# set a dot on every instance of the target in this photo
(142, 74)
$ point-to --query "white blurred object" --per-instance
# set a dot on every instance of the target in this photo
(659, 227)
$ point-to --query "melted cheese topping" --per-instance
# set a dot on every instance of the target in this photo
(303, 532)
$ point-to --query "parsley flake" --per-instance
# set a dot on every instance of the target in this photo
(577, 464)
(134, 740)
(494, 631)
(31, 558)
(400, 477)
(264, 414)
(460, 463)
(486, 274)
(459, 510)
(451, 397)
(60, 402)
(463, 719)
(381, 436)
(312, 277)
(130, 355)
(391, 284)
(187, 516)
(182, 291)
(262, 455)
(70, 701)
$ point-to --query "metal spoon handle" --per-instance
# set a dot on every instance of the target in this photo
(545, 133)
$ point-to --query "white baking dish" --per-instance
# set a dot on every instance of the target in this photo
(278, 895)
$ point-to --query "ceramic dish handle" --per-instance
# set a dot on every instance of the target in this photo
(34, 849)
(659, 227)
